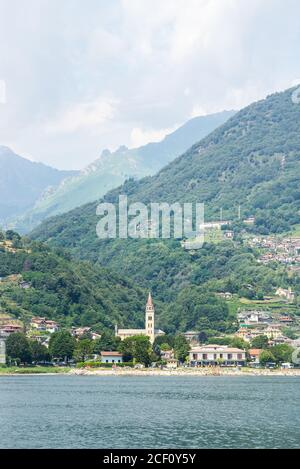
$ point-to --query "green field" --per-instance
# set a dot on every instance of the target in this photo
(9, 370)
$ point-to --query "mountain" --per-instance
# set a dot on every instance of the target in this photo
(112, 169)
(22, 182)
(251, 161)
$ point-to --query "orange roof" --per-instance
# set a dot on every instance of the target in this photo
(111, 354)
(255, 351)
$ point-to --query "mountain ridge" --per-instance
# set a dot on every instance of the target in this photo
(111, 169)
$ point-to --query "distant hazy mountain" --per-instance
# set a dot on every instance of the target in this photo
(22, 183)
(112, 169)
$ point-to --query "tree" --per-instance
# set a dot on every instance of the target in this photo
(181, 348)
(107, 343)
(282, 353)
(165, 347)
(18, 348)
(265, 357)
(62, 345)
(239, 343)
(137, 348)
(39, 352)
(83, 349)
(260, 342)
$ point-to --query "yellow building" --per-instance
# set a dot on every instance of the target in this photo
(149, 330)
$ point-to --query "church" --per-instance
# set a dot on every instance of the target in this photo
(149, 330)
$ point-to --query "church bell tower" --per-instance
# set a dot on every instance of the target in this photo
(149, 323)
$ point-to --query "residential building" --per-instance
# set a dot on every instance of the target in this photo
(10, 329)
(216, 355)
(192, 336)
(166, 354)
(43, 324)
(149, 330)
(254, 354)
(172, 363)
(111, 357)
(288, 294)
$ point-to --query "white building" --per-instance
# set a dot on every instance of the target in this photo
(216, 355)
(111, 357)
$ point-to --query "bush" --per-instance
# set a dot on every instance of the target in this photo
(102, 365)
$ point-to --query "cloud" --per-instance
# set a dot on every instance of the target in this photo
(88, 115)
(126, 72)
(139, 137)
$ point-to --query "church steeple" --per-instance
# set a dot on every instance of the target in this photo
(150, 320)
(150, 302)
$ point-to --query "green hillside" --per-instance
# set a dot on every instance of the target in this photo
(73, 293)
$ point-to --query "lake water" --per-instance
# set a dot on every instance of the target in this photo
(149, 412)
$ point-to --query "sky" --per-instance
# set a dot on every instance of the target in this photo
(77, 77)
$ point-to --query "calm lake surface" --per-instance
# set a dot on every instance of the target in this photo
(149, 412)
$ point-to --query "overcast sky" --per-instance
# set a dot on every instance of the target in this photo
(84, 75)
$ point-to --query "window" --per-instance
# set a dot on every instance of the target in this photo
(195, 356)
(221, 355)
(240, 356)
(215, 356)
(229, 356)
(204, 356)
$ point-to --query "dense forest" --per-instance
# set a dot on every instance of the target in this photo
(73, 293)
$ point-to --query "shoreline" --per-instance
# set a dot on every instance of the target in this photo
(155, 372)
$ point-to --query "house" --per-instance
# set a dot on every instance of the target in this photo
(172, 363)
(272, 332)
(229, 234)
(11, 328)
(288, 294)
(254, 354)
(227, 295)
(111, 357)
(215, 355)
(149, 330)
(44, 325)
(249, 221)
(192, 336)
(166, 354)
(285, 319)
